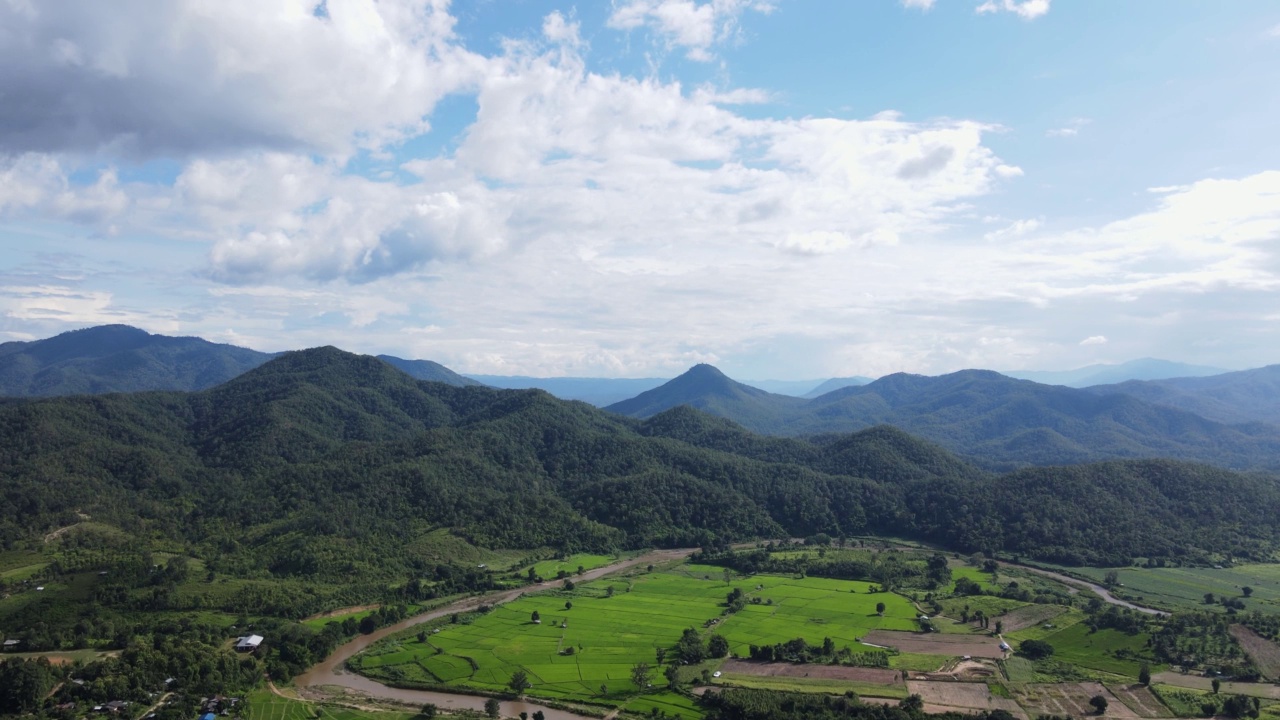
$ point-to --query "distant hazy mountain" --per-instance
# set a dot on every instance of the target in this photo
(835, 384)
(1234, 397)
(119, 358)
(1144, 369)
(995, 420)
(794, 388)
(427, 370)
(706, 388)
(597, 391)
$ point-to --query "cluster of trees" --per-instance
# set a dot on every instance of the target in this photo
(800, 651)
(737, 704)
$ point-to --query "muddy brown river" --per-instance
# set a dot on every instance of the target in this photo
(332, 670)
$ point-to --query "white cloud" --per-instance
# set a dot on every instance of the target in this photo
(1017, 229)
(1094, 340)
(695, 26)
(559, 30)
(185, 77)
(1071, 129)
(919, 4)
(1025, 9)
(1274, 31)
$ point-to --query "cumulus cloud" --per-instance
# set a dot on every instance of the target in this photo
(1025, 9)
(186, 77)
(694, 26)
(919, 4)
(1094, 340)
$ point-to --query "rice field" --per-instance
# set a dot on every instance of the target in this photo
(550, 569)
(265, 705)
(572, 652)
(1186, 587)
(1098, 650)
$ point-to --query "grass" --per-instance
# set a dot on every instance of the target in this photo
(1183, 702)
(918, 661)
(1066, 620)
(670, 703)
(265, 705)
(1186, 587)
(1019, 670)
(319, 623)
(812, 685)
(1097, 650)
(550, 569)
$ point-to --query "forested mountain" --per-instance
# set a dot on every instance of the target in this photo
(597, 391)
(1234, 397)
(1142, 369)
(427, 370)
(118, 358)
(706, 388)
(330, 465)
(1001, 422)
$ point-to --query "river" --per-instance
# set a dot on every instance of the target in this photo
(332, 671)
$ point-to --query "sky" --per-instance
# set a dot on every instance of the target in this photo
(786, 189)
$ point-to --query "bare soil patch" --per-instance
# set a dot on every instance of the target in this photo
(1197, 682)
(1071, 699)
(1030, 616)
(876, 676)
(1263, 652)
(963, 671)
(970, 696)
(1140, 699)
(937, 643)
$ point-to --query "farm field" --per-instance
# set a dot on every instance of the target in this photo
(549, 569)
(966, 696)
(265, 705)
(1070, 699)
(938, 644)
(786, 683)
(573, 651)
(1197, 682)
(1186, 587)
(1264, 653)
(1096, 650)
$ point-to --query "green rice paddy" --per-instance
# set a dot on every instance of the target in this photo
(1186, 587)
(570, 653)
(550, 569)
(264, 705)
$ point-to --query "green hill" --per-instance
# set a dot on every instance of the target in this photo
(326, 465)
(1234, 397)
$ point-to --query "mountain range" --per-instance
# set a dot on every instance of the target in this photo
(1142, 369)
(320, 463)
(999, 422)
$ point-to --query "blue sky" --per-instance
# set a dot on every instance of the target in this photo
(785, 188)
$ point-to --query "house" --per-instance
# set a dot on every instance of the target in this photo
(11, 645)
(248, 643)
(1005, 647)
(208, 716)
(115, 706)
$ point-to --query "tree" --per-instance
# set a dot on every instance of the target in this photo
(428, 711)
(1111, 579)
(999, 626)
(690, 647)
(604, 689)
(568, 604)
(537, 715)
(717, 646)
(1099, 704)
(1246, 590)
(492, 708)
(672, 674)
(913, 704)
(519, 682)
(608, 591)
(640, 674)
(880, 608)
(1035, 649)
(1208, 598)
(661, 654)
(1144, 674)
(535, 617)
(568, 585)
(1217, 684)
